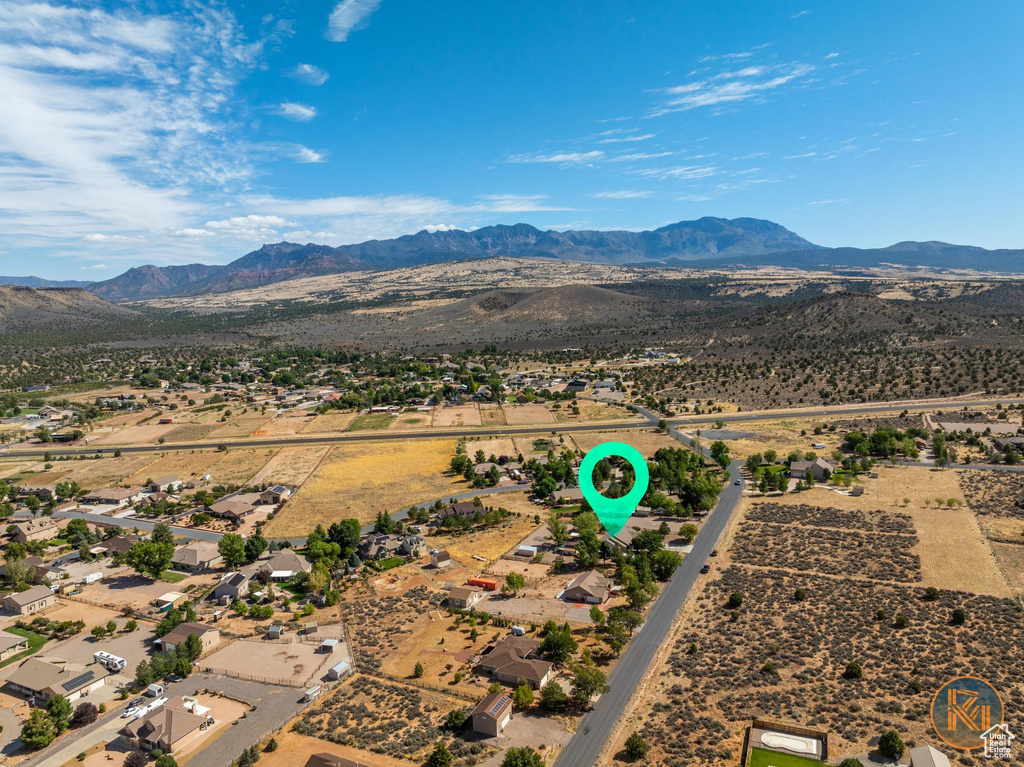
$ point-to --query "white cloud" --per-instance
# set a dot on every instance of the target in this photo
(829, 202)
(832, 56)
(295, 111)
(730, 87)
(309, 74)
(94, 266)
(680, 172)
(305, 154)
(111, 238)
(625, 194)
(194, 232)
(631, 157)
(798, 15)
(348, 16)
(565, 158)
(248, 223)
(623, 139)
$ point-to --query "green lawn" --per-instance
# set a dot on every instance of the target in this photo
(762, 757)
(371, 421)
(170, 576)
(387, 564)
(35, 641)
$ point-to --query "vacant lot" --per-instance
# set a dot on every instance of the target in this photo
(497, 447)
(360, 479)
(522, 415)
(242, 425)
(329, 422)
(457, 415)
(492, 415)
(371, 421)
(647, 441)
(143, 434)
(294, 663)
(192, 432)
(411, 421)
(296, 749)
(288, 424)
(291, 465)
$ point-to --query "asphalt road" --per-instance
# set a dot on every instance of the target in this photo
(597, 726)
(374, 436)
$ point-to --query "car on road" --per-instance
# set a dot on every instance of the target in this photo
(738, 482)
(706, 569)
(130, 712)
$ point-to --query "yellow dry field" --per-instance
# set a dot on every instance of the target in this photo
(191, 432)
(94, 474)
(492, 415)
(291, 465)
(591, 412)
(457, 415)
(781, 436)
(647, 441)
(127, 419)
(18, 468)
(522, 415)
(954, 553)
(239, 465)
(142, 434)
(183, 465)
(51, 477)
(491, 544)
(411, 421)
(497, 447)
(1007, 528)
(1010, 557)
(296, 749)
(239, 426)
(329, 422)
(361, 479)
(286, 425)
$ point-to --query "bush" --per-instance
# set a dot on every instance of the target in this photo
(85, 713)
(417, 671)
(959, 617)
(799, 595)
(901, 621)
(853, 670)
(890, 745)
(636, 747)
(456, 720)
(735, 600)
(851, 762)
(136, 759)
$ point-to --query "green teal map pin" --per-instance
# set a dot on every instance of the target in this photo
(614, 512)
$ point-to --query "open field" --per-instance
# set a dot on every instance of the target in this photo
(142, 434)
(288, 424)
(291, 465)
(416, 419)
(192, 432)
(492, 415)
(647, 441)
(238, 426)
(497, 446)
(457, 415)
(370, 421)
(360, 479)
(329, 422)
(524, 415)
(493, 542)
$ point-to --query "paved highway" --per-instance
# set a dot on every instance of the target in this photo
(374, 436)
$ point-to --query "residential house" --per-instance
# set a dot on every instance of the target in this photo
(492, 714)
(11, 645)
(926, 756)
(439, 559)
(819, 468)
(234, 511)
(165, 485)
(169, 727)
(275, 495)
(38, 529)
(566, 495)
(283, 565)
(43, 678)
(42, 492)
(591, 587)
(577, 387)
(464, 597)
(196, 557)
(120, 544)
(515, 659)
(383, 546)
(464, 509)
(30, 601)
(113, 496)
(208, 635)
(233, 586)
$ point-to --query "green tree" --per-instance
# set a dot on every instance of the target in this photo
(165, 760)
(853, 670)
(558, 645)
(61, 711)
(150, 558)
(523, 695)
(440, 756)
(557, 529)
(851, 762)
(515, 582)
(735, 600)
(890, 744)
(144, 674)
(586, 683)
(255, 545)
(553, 698)
(193, 647)
(162, 534)
(38, 731)
(456, 719)
(417, 671)
(959, 617)
(384, 525)
(720, 453)
(636, 747)
(521, 757)
(232, 549)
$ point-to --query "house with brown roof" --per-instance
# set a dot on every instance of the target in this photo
(566, 495)
(382, 546)
(464, 597)
(119, 544)
(196, 557)
(30, 601)
(165, 485)
(169, 727)
(44, 678)
(38, 529)
(42, 492)
(275, 495)
(233, 586)
(234, 511)
(819, 468)
(113, 496)
(439, 559)
(11, 644)
(492, 714)
(283, 565)
(590, 587)
(208, 635)
(464, 509)
(515, 659)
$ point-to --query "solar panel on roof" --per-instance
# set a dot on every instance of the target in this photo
(498, 705)
(79, 681)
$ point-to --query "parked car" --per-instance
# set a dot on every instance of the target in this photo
(130, 712)
(714, 552)
(706, 569)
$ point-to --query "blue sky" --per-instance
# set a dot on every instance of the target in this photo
(154, 132)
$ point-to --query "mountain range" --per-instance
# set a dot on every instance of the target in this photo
(707, 242)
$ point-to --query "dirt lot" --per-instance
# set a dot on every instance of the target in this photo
(497, 447)
(457, 415)
(329, 422)
(493, 542)
(360, 479)
(242, 425)
(291, 465)
(192, 432)
(647, 441)
(522, 415)
(492, 415)
(131, 589)
(295, 663)
(411, 421)
(288, 424)
(143, 434)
